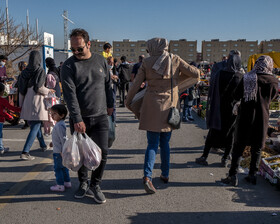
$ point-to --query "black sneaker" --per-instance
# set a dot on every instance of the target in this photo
(230, 180)
(202, 161)
(81, 192)
(96, 193)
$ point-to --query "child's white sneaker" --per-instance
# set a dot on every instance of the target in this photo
(67, 184)
(59, 188)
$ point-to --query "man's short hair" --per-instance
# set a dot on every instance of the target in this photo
(3, 57)
(80, 33)
(106, 46)
(123, 58)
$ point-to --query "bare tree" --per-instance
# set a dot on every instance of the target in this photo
(16, 40)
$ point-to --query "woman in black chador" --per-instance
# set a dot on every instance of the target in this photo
(220, 104)
(256, 90)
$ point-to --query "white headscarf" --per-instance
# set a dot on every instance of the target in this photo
(264, 64)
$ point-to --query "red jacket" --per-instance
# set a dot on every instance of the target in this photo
(4, 104)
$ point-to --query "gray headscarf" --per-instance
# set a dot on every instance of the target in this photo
(159, 47)
(264, 65)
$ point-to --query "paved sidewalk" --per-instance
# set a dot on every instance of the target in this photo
(194, 194)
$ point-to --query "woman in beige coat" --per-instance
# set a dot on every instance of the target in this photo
(32, 92)
(155, 70)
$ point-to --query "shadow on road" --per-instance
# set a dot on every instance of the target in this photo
(206, 217)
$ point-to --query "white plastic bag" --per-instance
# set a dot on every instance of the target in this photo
(72, 158)
(51, 100)
(91, 152)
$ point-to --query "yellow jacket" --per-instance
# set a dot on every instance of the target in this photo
(106, 55)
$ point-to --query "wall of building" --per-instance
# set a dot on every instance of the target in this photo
(215, 50)
(185, 49)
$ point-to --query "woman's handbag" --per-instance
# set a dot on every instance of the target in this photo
(174, 117)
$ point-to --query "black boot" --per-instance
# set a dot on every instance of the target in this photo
(251, 178)
(230, 180)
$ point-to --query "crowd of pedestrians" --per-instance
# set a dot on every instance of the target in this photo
(86, 74)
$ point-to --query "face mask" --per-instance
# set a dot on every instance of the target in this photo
(2, 63)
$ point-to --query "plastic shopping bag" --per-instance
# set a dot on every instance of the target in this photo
(51, 100)
(72, 158)
(112, 133)
(91, 152)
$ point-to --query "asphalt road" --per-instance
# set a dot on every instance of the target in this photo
(193, 195)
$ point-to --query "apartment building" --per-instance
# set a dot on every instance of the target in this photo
(185, 49)
(269, 45)
(130, 49)
(97, 46)
(214, 50)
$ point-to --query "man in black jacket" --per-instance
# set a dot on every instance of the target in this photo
(124, 76)
(88, 95)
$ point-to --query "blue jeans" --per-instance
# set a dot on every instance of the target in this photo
(35, 130)
(187, 108)
(1, 137)
(155, 139)
(61, 172)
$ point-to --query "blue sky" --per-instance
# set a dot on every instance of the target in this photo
(144, 19)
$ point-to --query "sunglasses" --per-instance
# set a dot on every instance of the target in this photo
(79, 49)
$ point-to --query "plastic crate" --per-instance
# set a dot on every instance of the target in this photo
(267, 172)
(274, 105)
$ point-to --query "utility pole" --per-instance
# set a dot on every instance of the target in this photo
(65, 18)
(37, 30)
(8, 25)
(27, 26)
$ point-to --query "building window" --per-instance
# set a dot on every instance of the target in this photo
(270, 45)
(143, 50)
(100, 50)
(175, 45)
(224, 45)
(208, 50)
(252, 45)
(117, 49)
(191, 49)
(100, 45)
(190, 55)
(143, 45)
(175, 49)
(224, 50)
(191, 45)
(208, 55)
(252, 50)
(132, 45)
(208, 45)
(131, 50)
(132, 55)
(118, 55)
(269, 50)
(117, 45)
(235, 45)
